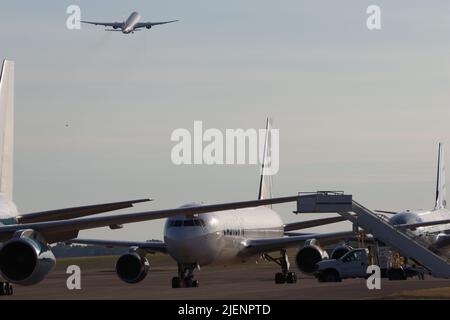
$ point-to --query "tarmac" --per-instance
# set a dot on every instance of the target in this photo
(240, 282)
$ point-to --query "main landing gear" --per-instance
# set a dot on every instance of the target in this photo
(6, 289)
(185, 277)
(285, 276)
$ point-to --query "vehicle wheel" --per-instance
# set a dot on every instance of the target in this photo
(176, 282)
(280, 278)
(291, 277)
(331, 276)
(195, 283)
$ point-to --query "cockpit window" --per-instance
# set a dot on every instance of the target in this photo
(187, 223)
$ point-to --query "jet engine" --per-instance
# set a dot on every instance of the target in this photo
(148, 27)
(132, 267)
(115, 27)
(309, 255)
(340, 251)
(26, 259)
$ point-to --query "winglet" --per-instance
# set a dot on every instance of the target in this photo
(6, 128)
(440, 181)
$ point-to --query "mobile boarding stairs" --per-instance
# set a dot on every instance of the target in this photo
(378, 226)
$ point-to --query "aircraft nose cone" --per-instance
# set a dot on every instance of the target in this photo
(183, 247)
(190, 246)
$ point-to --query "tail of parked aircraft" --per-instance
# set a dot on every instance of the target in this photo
(6, 128)
(440, 182)
(265, 184)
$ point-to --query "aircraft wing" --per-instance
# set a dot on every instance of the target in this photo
(421, 224)
(151, 24)
(106, 24)
(260, 246)
(55, 231)
(312, 223)
(76, 212)
(149, 246)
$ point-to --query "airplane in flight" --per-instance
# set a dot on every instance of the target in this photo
(130, 25)
(229, 237)
(25, 254)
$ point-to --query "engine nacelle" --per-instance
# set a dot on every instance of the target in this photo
(26, 259)
(309, 255)
(340, 251)
(148, 27)
(131, 267)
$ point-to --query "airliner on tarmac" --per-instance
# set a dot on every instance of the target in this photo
(130, 25)
(25, 255)
(431, 227)
(228, 237)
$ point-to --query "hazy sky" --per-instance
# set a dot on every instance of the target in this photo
(358, 110)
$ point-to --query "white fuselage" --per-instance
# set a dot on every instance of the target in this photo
(130, 23)
(219, 237)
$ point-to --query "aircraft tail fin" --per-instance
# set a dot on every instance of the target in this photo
(265, 184)
(6, 128)
(440, 182)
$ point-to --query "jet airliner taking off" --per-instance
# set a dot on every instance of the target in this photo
(130, 25)
(25, 255)
(229, 237)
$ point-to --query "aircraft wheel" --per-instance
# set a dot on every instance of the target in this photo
(291, 277)
(280, 278)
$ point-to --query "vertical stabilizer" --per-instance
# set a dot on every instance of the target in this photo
(6, 128)
(265, 184)
(440, 182)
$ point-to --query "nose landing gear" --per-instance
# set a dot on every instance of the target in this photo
(285, 276)
(185, 277)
